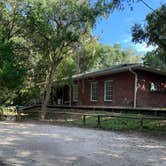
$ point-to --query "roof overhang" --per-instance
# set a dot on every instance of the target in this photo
(152, 70)
(126, 68)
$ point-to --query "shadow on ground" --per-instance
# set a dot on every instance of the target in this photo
(31, 144)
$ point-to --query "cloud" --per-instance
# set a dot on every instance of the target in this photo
(127, 39)
(143, 47)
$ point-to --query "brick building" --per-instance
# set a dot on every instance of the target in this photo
(128, 85)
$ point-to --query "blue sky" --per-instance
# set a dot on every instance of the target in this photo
(117, 28)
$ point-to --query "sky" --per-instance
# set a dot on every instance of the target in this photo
(117, 28)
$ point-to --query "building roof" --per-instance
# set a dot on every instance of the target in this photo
(119, 69)
(115, 69)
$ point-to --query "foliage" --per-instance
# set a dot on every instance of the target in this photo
(54, 27)
(11, 70)
(123, 124)
(38, 38)
(110, 56)
(131, 123)
(92, 55)
(86, 53)
(28, 96)
(154, 33)
(156, 59)
(12, 49)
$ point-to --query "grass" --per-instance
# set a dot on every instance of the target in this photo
(5, 111)
(8, 111)
(107, 123)
(2, 110)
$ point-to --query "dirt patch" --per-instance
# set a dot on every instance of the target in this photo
(35, 144)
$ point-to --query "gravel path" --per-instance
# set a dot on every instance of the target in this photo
(23, 144)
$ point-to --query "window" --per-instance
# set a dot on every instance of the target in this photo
(154, 87)
(75, 92)
(108, 90)
(93, 91)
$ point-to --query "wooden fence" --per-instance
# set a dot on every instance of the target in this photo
(84, 116)
(138, 110)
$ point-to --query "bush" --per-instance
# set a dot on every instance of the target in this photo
(28, 97)
(1, 113)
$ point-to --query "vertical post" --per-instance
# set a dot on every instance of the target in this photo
(70, 95)
(18, 115)
(84, 120)
(98, 121)
(156, 113)
(38, 114)
(141, 122)
(135, 87)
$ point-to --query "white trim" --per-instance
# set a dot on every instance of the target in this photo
(95, 82)
(105, 90)
(135, 87)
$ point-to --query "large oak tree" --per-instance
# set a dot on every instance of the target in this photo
(55, 26)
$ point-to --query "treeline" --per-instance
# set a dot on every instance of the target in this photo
(43, 41)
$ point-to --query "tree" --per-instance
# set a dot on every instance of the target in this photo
(12, 72)
(55, 26)
(12, 48)
(156, 59)
(153, 33)
(47, 31)
(87, 52)
(113, 55)
(92, 55)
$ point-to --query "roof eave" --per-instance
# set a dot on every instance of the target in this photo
(124, 69)
(149, 69)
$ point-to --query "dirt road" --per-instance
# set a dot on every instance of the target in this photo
(23, 144)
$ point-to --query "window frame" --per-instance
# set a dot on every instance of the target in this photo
(91, 97)
(75, 86)
(154, 87)
(106, 90)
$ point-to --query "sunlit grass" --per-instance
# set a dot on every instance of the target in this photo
(114, 123)
(107, 123)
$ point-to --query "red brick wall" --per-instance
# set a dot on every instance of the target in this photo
(145, 98)
(122, 90)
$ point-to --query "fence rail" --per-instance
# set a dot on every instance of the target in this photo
(84, 116)
(138, 110)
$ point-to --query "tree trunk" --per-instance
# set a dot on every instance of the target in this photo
(47, 92)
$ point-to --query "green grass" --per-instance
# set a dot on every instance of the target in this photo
(7, 111)
(122, 124)
(107, 123)
(2, 109)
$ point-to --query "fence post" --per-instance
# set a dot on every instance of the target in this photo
(98, 121)
(141, 122)
(84, 120)
(156, 113)
(18, 115)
